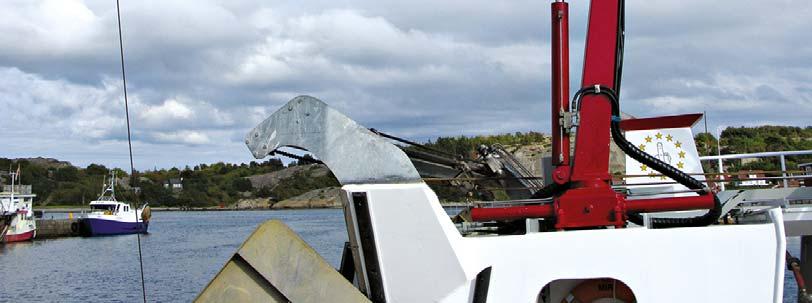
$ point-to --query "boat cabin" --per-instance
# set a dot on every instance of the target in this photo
(109, 207)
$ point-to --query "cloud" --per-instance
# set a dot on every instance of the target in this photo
(181, 137)
(202, 73)
(169, 110)
(30, 101)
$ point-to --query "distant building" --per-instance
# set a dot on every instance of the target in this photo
(746, 176)
(175, 184)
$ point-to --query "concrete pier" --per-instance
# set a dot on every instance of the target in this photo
(56, 228)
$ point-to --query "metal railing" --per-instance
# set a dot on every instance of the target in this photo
(780, 154)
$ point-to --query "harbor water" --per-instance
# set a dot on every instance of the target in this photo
(182, 252)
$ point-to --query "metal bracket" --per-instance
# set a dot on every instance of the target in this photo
(352, 152)
(568, 120)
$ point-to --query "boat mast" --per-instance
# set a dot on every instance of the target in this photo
(113, 187)
(13, 177)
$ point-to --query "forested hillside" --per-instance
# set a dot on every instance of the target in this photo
(466, 146)
(59, 183)
(736, 140)
(202, 185)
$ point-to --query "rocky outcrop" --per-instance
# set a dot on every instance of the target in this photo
(319, 198)
(530, 156)
(272, 179)
(45, 162)
(256, 203)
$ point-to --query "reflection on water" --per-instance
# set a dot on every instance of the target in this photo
(183, 251)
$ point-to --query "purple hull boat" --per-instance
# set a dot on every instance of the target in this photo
(110, 217)
(104, 227)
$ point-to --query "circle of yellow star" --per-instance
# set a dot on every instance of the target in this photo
(660, 137)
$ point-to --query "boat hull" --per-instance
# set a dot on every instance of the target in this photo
(102, 227)
(20, 237)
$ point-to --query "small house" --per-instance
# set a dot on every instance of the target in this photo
(175, 184)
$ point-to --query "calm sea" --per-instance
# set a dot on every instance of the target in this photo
(183, 251)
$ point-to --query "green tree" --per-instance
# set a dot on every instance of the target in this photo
(705, 144)
(67, 174)
(241, 184)
(96, 170)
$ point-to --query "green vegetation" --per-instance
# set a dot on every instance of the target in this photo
(297, 184)
(58, 183)
(203, 185)
(466, 146)
(737, 140)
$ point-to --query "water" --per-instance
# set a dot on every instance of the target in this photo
(183, 251)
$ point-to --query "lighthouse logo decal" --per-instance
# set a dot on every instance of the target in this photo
(662, 146)
(674, 146)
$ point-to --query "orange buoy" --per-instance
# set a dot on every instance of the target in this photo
(600, 290)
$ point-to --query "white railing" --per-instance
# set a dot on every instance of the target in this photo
(780, 154)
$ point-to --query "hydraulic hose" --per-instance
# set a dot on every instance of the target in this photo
(666, 169)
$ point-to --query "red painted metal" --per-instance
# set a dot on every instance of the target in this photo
(670, 204)
(590, 206)
(590, 200)
(592, 142)
(511, 213)
(560, 82)
(20, 237)
(561, 174)
(660, 122)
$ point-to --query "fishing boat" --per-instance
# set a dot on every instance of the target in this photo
(16, 210)
(22, 226)
(109, 216)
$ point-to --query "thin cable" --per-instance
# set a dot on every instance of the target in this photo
(130, 146)
(297, 157)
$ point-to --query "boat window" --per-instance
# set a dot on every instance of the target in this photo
(126, 208)
(103, 207)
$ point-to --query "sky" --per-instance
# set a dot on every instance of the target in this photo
(202, 73)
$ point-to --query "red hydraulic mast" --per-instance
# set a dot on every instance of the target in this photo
(560, 83)
(582, 191)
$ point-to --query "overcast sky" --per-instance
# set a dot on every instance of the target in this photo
(202, 73)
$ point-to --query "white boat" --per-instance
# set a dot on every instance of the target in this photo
(109, 216)
(17, 212)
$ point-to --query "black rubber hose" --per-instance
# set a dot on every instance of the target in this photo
(666, 169)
